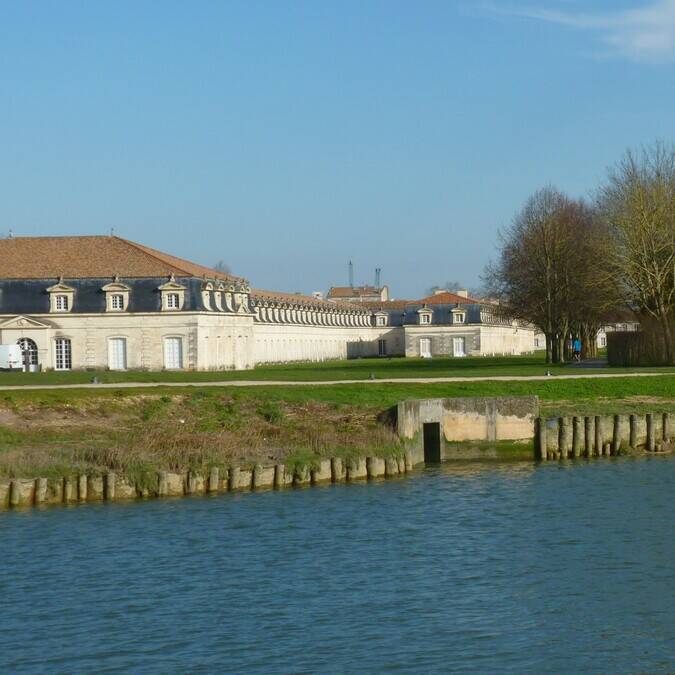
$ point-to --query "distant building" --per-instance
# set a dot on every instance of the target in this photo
(449, 324)
(106, 302)
(359, 293)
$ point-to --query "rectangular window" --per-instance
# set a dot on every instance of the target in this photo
(424, 318)
(172, 301)
(459, 318)
(63, 360)
(603, 341)
(382, 347)
(61, 303)
(117, 301)
(173, 353)
(117, 354)
(425, 348)
(381, 320)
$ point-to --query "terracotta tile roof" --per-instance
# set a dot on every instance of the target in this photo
(260, 295)
(448, 298)
(91, 257)
(388, 304)
(352, 291)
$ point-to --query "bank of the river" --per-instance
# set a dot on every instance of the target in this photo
(59, 434)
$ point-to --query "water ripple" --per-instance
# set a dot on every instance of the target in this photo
(475, 567)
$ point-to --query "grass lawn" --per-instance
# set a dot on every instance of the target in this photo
(357, 369)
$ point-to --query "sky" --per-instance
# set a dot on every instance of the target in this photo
(287, 138)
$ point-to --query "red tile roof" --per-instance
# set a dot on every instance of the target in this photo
(448, 298)
(91, 257)
(352, 291)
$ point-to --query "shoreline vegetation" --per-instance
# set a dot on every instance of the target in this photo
(139, 432)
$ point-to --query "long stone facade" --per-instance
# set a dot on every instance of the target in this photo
(119, 305)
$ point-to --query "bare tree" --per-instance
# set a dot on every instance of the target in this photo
(548, 272)
(638, 205)
(222, 266)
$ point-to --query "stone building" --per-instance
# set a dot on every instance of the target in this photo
(449, 324)
(106, 302)
(359, 293)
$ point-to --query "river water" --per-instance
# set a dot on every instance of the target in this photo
(461, 568)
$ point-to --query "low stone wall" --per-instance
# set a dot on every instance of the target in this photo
(602, 435)
(468, 420)
(23, 492)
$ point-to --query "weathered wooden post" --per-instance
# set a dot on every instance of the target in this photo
(214, 479)
(14, 493)
(616, 435)
(651, 441)
(279, 475)
(564, 437)
(162, 484)
(633, 432)
(588, 436)
(67, 489)
(40, 490)
(598, 435)
(577, 436)
(541, 438)
(109, 490)
(666, 427)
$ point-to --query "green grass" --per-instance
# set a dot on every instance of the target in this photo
(579, 395)
(357, 369)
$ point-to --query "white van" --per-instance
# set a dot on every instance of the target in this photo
(11, 357)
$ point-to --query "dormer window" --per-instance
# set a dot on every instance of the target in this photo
(458, 316)
(173, 295)
(381, 319)
(60, 297)
(116, 296)
(425, 315)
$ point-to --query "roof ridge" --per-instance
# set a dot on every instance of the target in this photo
(151, 252)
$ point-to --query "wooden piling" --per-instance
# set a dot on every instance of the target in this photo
(541, 436)
(616, 435)
(564, 434)
(588, 436)
(577, 435)
(666, 427)
(14, 493)
(109, 490)
(214, 479)
(651, 441)
(598, 435)
(633, 432)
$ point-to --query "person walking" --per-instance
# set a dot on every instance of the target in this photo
(576, 349)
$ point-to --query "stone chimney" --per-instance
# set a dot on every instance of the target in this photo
(463, 293)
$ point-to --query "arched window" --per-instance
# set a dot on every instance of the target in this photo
(29, 351)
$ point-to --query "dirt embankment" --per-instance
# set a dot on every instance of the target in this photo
(179, 432)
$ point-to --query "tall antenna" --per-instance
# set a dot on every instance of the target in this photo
(351, 274)
(378, 274)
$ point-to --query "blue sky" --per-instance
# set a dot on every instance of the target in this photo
(289, 137)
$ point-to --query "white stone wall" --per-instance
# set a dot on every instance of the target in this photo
(281, 343)
(479, 340)
(506, 340)
(209, 341)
